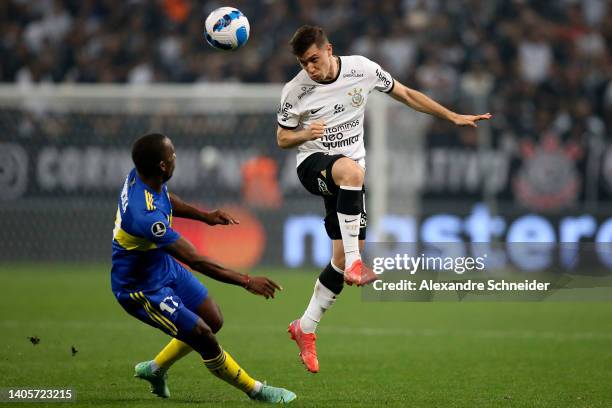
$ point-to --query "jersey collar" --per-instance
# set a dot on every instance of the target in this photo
(146, 187)
(331, 81)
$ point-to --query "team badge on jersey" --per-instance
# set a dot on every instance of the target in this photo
(356, 97)
(158, 229)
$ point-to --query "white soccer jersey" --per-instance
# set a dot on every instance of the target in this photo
(340, 103)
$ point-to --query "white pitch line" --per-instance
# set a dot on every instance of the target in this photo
(478, 333)
(336, 330)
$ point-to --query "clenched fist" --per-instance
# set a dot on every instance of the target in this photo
(316, 130)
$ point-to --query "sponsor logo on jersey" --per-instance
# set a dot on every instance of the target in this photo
(356, 97)
(158, 229)
(383, 78)
(338, 108)
(306, 90)
(353, 74)
(284, 110)
(337, 140)
(313, 111)
(334, 135)
(342, 127)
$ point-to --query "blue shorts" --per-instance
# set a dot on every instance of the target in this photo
(171, 308)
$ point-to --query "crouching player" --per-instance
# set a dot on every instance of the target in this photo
(153, 287)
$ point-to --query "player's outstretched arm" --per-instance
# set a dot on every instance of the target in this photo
(288, 138)
(184, 251)
(183, 210)
(423, 103)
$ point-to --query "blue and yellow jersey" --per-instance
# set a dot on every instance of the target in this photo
(143, 226)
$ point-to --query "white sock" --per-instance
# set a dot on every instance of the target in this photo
(321, 300)
(349, 228)
(256, 389)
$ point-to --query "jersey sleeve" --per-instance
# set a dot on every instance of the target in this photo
(382, 80)
(287, 116)
(155, 227)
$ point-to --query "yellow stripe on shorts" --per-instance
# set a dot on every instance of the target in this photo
(157, 312)
(154, 314)
(152, 317)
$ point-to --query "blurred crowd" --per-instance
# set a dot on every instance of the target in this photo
(538, 64)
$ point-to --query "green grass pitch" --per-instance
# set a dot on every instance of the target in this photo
(371, 354)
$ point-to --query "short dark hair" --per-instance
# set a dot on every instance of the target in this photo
(147, 152)
(305, 36)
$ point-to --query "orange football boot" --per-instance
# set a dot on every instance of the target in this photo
(306, 344)
(359, 274)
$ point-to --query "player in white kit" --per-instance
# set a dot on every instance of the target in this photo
(321, 113)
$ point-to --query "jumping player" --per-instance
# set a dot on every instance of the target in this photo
(153, 287)
(321, 113)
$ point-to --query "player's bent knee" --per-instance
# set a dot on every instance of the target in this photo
(216, 323)
(204, 334)
(346, 172)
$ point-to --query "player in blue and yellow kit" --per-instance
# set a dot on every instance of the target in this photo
(152, 286)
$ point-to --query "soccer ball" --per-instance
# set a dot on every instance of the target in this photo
(227, 29)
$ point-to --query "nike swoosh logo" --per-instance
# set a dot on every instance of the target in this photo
(313, 111)
(347, 221)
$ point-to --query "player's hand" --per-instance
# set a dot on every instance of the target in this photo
(470, 120)
(220, 217)
(316, 130)
(260, 285)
